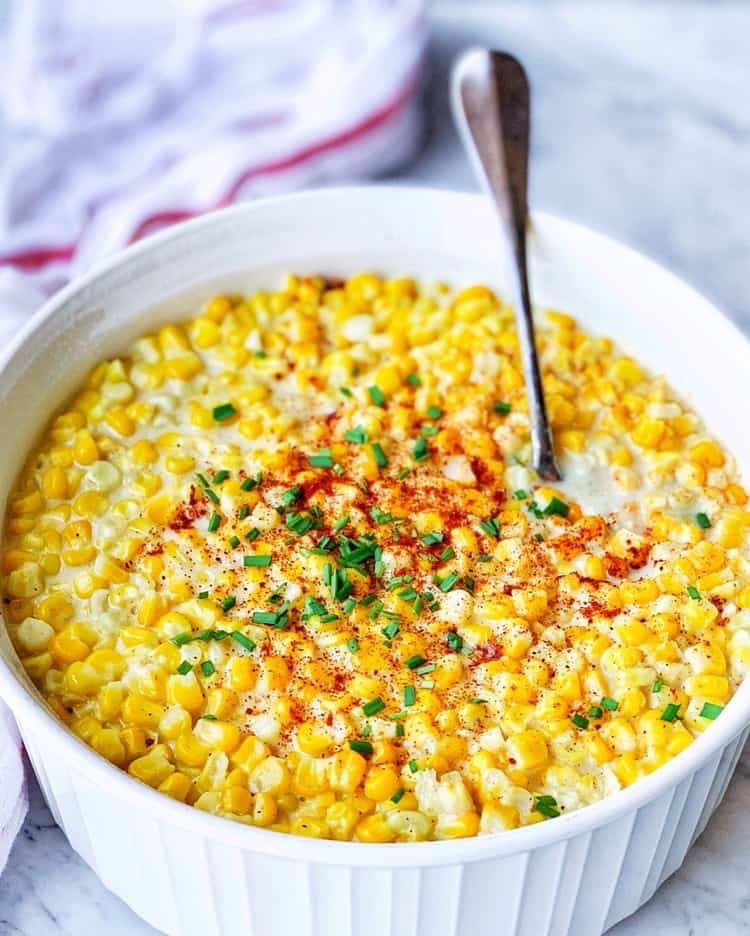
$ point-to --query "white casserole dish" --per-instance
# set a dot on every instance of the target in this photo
(188, 872)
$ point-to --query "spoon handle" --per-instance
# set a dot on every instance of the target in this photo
(490, 94)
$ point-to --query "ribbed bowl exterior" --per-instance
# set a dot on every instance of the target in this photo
(186, 884)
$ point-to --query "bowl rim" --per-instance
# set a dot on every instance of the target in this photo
(38, 719)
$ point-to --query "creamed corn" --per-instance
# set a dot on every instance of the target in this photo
(286, 562)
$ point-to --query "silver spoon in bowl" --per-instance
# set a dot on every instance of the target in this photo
(490, 96)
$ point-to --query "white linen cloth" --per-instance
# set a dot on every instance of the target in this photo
(122, 117)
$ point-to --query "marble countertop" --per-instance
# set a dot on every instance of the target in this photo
(641, 119)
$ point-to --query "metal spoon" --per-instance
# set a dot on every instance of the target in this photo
(490, 95)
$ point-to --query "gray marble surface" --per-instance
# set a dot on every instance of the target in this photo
(641, 130)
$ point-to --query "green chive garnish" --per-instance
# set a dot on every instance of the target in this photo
(352, 645)
(361, 747)
(207, 668)
(432, 538)
(243, 640)
(179, 639)
(214, 522)
(580, 721)
(520, 494)
(221, 476)
(711, 710)
(420, 451)
(261, 561)
(252, 535)
(546, 806)
(358, 435)
(203, 594)
(702, 520)
(410, 695)
(557, 508)
(228, 603)
(610, 704)
(413, 766)
(434, 412)
(399, 794)
(491, 527)
(670, 712)
(693, 592)
(243, 512)
(184, 668)
(376, 395)
(234, 541)
(414, 661)
(345, 391)
(596, 711)
(373, 707)
(323, 459)
(448, 582)
(502, 407)
(414, 380)
(657, 686)
(223, 412)
(381, 460)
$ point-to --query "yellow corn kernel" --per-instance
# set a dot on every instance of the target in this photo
(179, 464)
(243, 674)
(265, 809)
(152, 610)
(312, 740)
(117, 418)
(153, 768)
(375, 828)
(275, 674)
(528, 749)
(90, 504)
(107, 742)
(55, 483)
(141, 712)
(649, 432)
(177, 786)
(67, 648)
(221, 702)
(707, 454)
(85, 449)
(346, 771)
(250, 753)
(271, 775)
(134, 740)
(236, 800)
(707, 686)
(144, 452)
(190, 751)
(381, 782)
(185, 690)
(217, 735)
(184, 367)
(450, 827)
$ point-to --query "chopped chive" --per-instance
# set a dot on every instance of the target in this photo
(413, 766)
(323, 459)
(391, 629)
(358, 435)
(425, 669)
(202, 480)
(484, 558)
(670, 713)
(702, 520)
(184, 668)
(434, 412)
(693, 592)
(203, 594)
(520, 494)
(208, 717)
(367, 730)
(223, 412)
(291, 496)
(381, 459)
(214, 522)
(248, 484)
(400, 730)
(538, 537)
(376, 395)
(448, 553)
(265, 617)
(403, 473)
(373, 706)
(345, 391)
(361, 747)
(432, 538)
(228, 603)
(657, 686)
(502, 407)
(234, 541)
(352, 645)
(243, 512)
(478, 701)
(252, 535)
(610, 704)
(221, 476)
(596, 711)
(580, 721)
(429, 430)
(261, 354)
(207, 668)
(420, 451)
(398, 795)
(212, 496)
(448, 582)
(414, 661)
(340, 524)
(454, 641)
(408, 594)
(179, 639)
(556, 508)
(711, 710)
(410, 695)
(491, 527)
(243, 640)
(414, 380)
(257, 561)
(349, 605)
(546, 806)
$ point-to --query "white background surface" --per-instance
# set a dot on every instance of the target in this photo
(641, 129)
